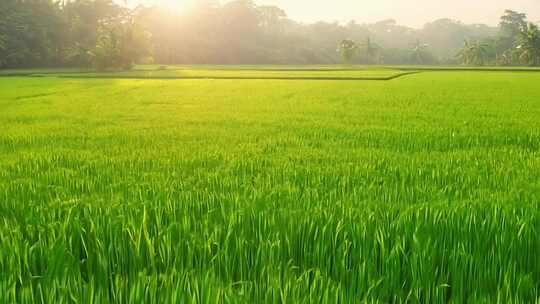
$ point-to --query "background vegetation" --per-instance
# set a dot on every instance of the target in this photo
(103, 33)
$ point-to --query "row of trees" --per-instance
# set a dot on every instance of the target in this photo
(241, 32)
(517, 43)
(106, 34)
(367, 51)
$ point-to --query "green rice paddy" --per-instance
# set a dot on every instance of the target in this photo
(226, 72)
(250, 74)
(420, 189)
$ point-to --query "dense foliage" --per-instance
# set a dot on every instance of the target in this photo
(518, 43)
(76, 33)
(423, 189)
(93, 32)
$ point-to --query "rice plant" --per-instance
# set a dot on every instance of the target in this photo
(423, 189)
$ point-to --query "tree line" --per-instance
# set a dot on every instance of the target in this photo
(97, 33)
(516, 43)
(105, 34)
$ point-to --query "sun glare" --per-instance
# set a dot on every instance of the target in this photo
(177, 5)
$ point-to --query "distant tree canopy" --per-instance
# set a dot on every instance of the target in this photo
(105, 34)
(516, 43)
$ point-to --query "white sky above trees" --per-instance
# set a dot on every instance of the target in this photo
(413, 13)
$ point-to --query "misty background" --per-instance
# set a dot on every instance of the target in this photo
(412, 13)
(81, 32)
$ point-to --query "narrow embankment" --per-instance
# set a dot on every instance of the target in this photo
(231, 74)
(379, 78)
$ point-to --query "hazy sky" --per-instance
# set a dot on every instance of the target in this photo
(413, 13)
(408, 12)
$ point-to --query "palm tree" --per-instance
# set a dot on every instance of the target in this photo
(508, 57)
(347, 48)
(371, 52)
(473, 53)
(419, 52)
(529, 45)
(465, 54)
(3, 43)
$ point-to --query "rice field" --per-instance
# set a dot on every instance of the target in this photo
(421, 189)
(248, 74)
(226, 72)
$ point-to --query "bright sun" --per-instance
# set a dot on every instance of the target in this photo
(177, 5)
